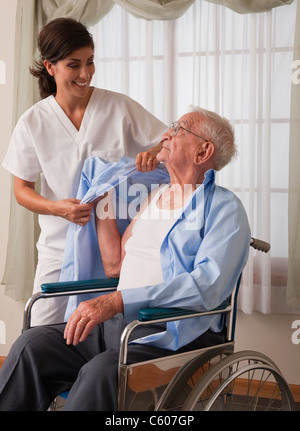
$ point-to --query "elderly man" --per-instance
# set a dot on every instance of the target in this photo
(185, 248)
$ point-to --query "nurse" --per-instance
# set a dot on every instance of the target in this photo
(52, 139)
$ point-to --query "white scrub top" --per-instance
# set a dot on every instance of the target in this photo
(45, 143)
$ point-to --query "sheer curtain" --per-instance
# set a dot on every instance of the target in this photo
(239, 66)
(293, 288)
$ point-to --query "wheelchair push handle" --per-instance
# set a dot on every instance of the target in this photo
(260, 245)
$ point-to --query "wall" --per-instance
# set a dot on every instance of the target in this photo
(11, 312)
(269, 334)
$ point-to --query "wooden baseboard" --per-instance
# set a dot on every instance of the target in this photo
(2, 359)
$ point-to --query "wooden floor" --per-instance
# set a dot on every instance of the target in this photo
(2, 358)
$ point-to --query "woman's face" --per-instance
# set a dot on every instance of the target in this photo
(73, 74)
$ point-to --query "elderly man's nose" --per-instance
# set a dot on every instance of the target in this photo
(167, 135)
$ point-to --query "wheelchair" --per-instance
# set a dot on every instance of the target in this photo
(213, 378)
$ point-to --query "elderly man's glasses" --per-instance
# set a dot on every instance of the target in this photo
(175, 127)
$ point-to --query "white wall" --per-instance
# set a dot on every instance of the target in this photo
(269, 334)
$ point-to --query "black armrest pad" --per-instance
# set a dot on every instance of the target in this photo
(163, 313)
(72, 286)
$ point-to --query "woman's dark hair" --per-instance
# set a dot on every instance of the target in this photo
(58, 39)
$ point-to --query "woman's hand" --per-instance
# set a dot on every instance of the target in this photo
(70, 209)
(146, 161)
(73, 211)
(89, 314)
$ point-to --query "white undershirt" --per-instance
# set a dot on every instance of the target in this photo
(141, 264)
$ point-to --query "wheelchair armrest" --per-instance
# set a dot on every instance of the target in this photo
(149, 314)
(68, 288)
(146, 314)
(73, 286)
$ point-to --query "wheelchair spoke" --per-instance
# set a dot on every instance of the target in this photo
(242, 383)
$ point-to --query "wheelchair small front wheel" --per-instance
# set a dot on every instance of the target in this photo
(242, 381)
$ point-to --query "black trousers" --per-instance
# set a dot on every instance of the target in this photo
(40, 366)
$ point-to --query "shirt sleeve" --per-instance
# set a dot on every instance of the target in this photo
(21, 159)
(218, 263)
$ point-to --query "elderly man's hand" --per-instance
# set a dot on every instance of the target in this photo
(89, 314)
(147, 161)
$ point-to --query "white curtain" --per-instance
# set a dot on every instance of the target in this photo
(204, 57)
(155, 9)
(239, 66)
(293, 288)
(247, 6)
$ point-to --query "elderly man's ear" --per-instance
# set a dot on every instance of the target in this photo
(204, 153)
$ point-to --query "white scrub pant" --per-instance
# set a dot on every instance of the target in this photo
(51, 310)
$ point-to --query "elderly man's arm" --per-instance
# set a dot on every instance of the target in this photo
(90, 313)
(111, 243)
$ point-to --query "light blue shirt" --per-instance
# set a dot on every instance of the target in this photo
(202, 255)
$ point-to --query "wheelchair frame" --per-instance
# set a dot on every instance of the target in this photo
(203, 379)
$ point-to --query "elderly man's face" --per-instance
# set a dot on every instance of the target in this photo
(180, 150)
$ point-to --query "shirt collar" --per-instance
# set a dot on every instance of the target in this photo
(209, 175)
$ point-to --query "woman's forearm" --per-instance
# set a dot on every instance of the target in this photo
(27, 197)
(69, 209)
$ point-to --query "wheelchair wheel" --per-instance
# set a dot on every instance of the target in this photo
(243, 381)
(186, 377)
